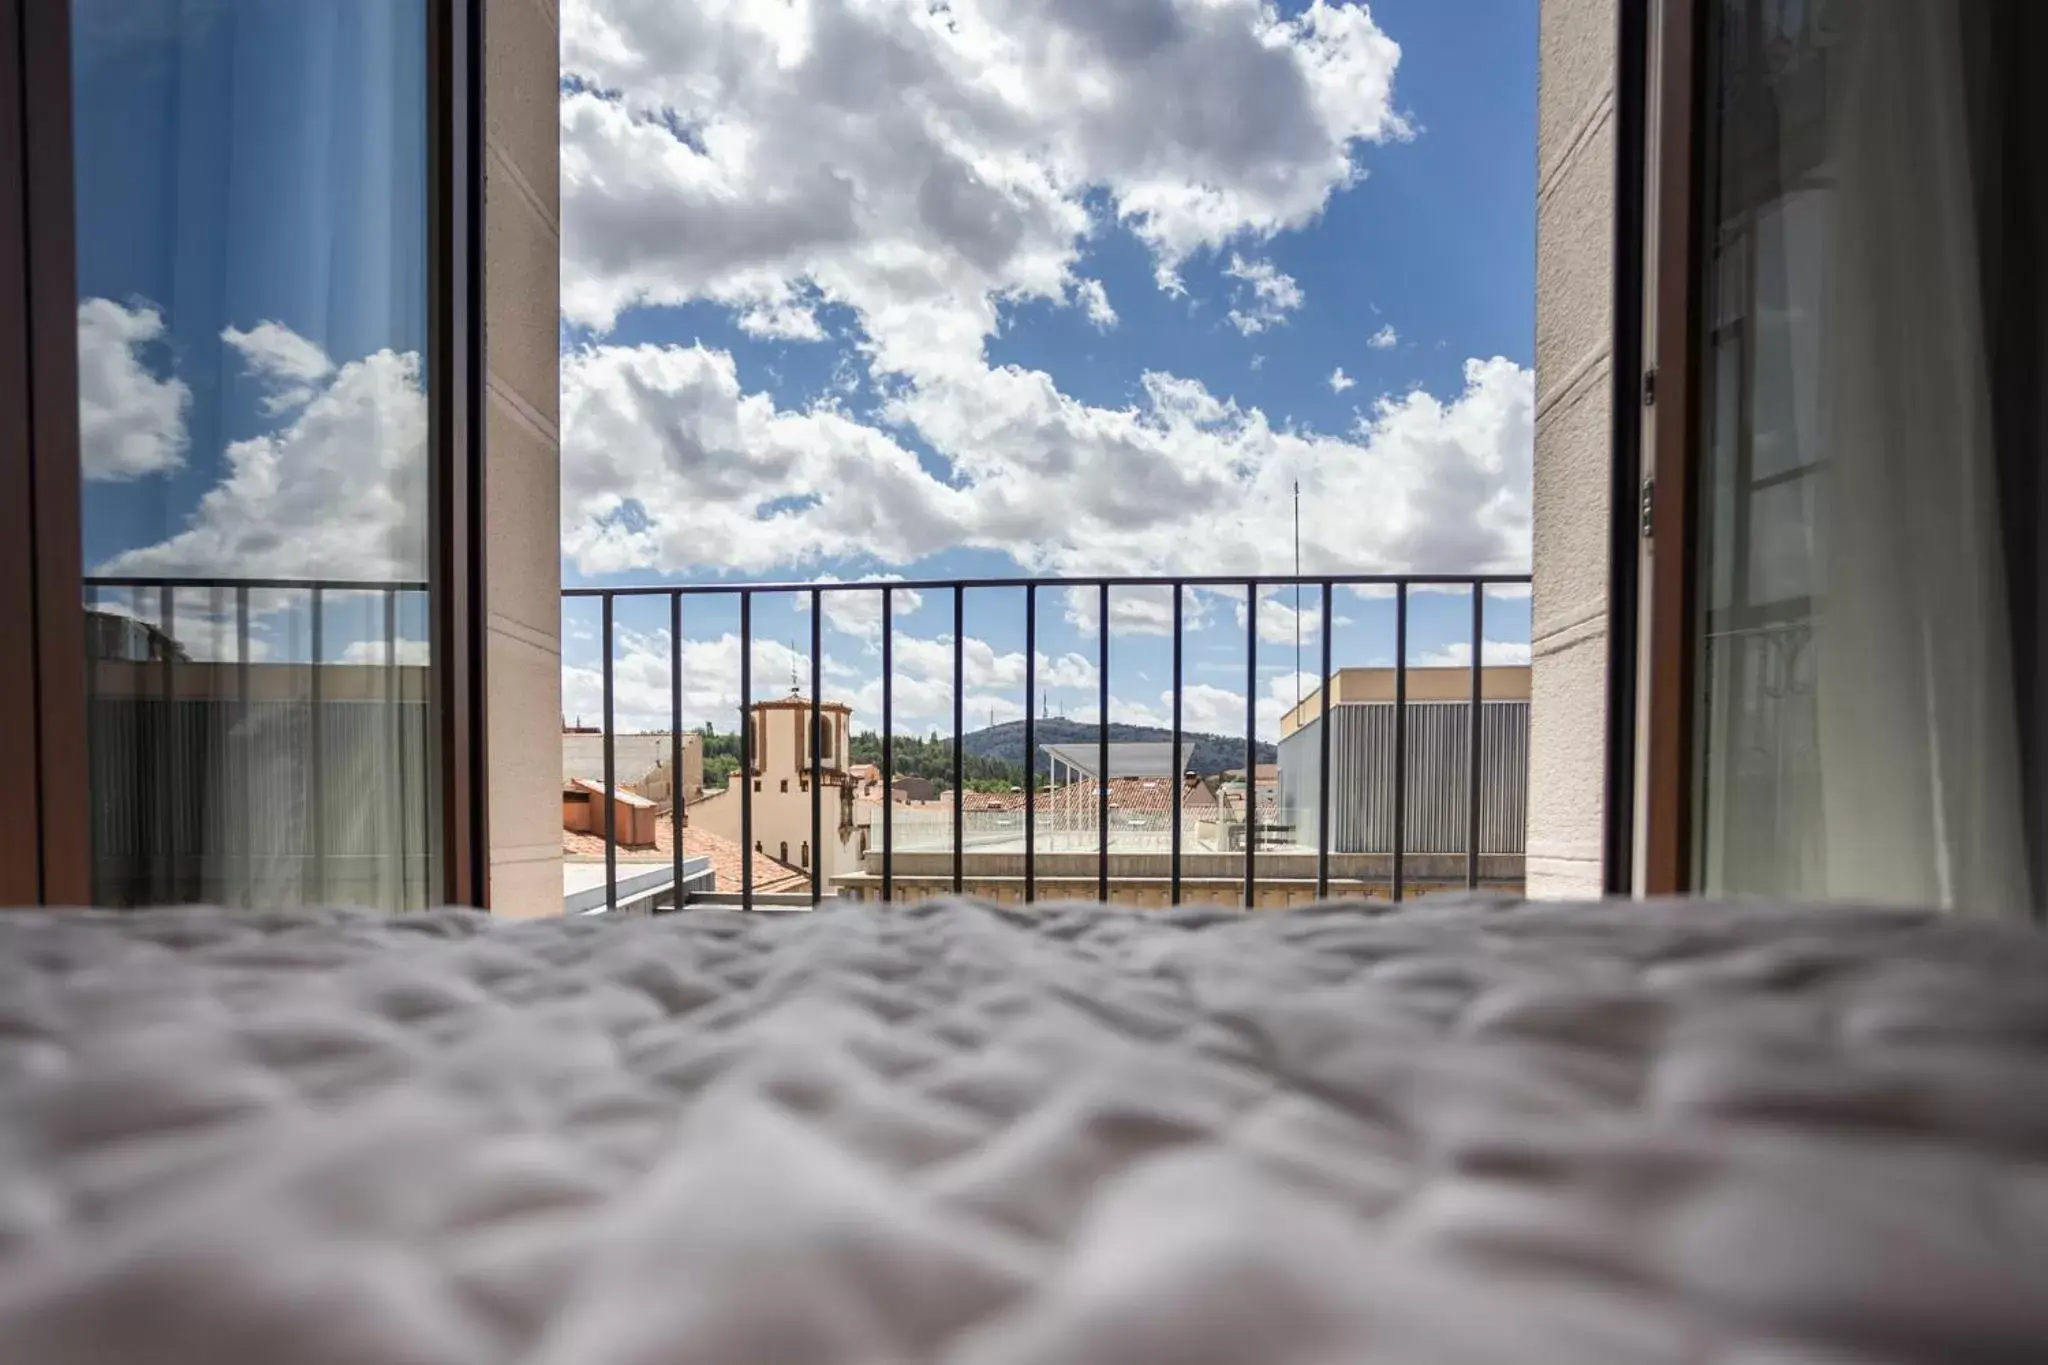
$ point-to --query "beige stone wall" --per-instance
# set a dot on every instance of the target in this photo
(782, 800)
(1574, 248)
(522, 452)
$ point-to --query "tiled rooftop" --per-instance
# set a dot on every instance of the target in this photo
(769, 874)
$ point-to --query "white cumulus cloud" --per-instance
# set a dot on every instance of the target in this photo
(338, 490)
(1458, 654)
(1384, 339)
(1268, 296)
(130, 422)
(1340, 381)
(1094, 299)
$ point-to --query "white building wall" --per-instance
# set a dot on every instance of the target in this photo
(1574, 329)
(522, 478)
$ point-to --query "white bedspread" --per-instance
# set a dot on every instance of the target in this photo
(1067, 1136)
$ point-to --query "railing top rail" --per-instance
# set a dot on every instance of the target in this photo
(1348, 580)
(264, 584)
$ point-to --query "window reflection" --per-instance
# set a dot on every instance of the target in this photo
(251, 227)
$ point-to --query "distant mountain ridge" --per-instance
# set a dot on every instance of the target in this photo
(1209, 753)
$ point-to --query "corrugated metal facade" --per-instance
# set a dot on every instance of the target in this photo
(1362, 766)
(219, 805)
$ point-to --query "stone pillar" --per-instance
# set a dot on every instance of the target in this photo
(1574, 333)
(522, 452)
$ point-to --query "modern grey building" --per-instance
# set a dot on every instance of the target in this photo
(1437, 761)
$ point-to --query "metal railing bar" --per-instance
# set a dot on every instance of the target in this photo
(1478, 710)
(1379, 580)
(164, 876)
(248, 754)
(817, 868)
(1326, 720)
(317, 742)
(746, 748)
(287, 584)
(1180, 777)
(888, 744)
(1251, 742)
(1102, 743)
(1030, 745)
(611, 841)
(1400, 737)
(394, 820)
(677, 795)
(959, 733)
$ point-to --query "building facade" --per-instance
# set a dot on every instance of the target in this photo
(780, 779)
(1436, 761)
(384, 176)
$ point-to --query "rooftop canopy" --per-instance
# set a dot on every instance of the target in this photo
(1141, 758)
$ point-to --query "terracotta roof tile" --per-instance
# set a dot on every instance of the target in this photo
(769, 874)
(595, 788)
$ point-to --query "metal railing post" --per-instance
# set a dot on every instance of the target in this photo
(746, 749)
(1180, 776)
(1102, 745)
(1251, 742)
(1326, 721)
(677, 796)
(1400, 734)
(1030, 746)
(959, 719)
(888, 744)
(817, 868)
(394, 821)
(317, 803)
(243, 677)
(611, 841)
(1478, 711)
(164, 879)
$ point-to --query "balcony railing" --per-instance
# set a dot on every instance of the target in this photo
(259, 741)
(1467, 822)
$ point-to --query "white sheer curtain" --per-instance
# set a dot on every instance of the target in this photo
(1918, 755)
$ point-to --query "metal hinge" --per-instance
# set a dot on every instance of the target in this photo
(1650, 387)
(1649, 508)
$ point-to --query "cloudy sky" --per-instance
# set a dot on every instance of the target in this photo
(851, 290)
(855, 289)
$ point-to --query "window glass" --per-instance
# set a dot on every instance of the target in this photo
(252, 324)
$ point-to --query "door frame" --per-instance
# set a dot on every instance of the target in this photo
(45, 851)
(1673, 293)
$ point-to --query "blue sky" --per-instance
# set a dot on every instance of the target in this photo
(250, 188)
(1433, 244)
(851, 291)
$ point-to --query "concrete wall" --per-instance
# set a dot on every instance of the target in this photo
(522, 452)
(1574, 250)
(634, 756)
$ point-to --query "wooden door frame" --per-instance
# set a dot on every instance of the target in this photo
(1675, 293)
(46, 849)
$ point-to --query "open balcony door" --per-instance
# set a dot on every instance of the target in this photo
(49, 651)
(1844, 685)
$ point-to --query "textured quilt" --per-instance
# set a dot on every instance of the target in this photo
(1068, 1136)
